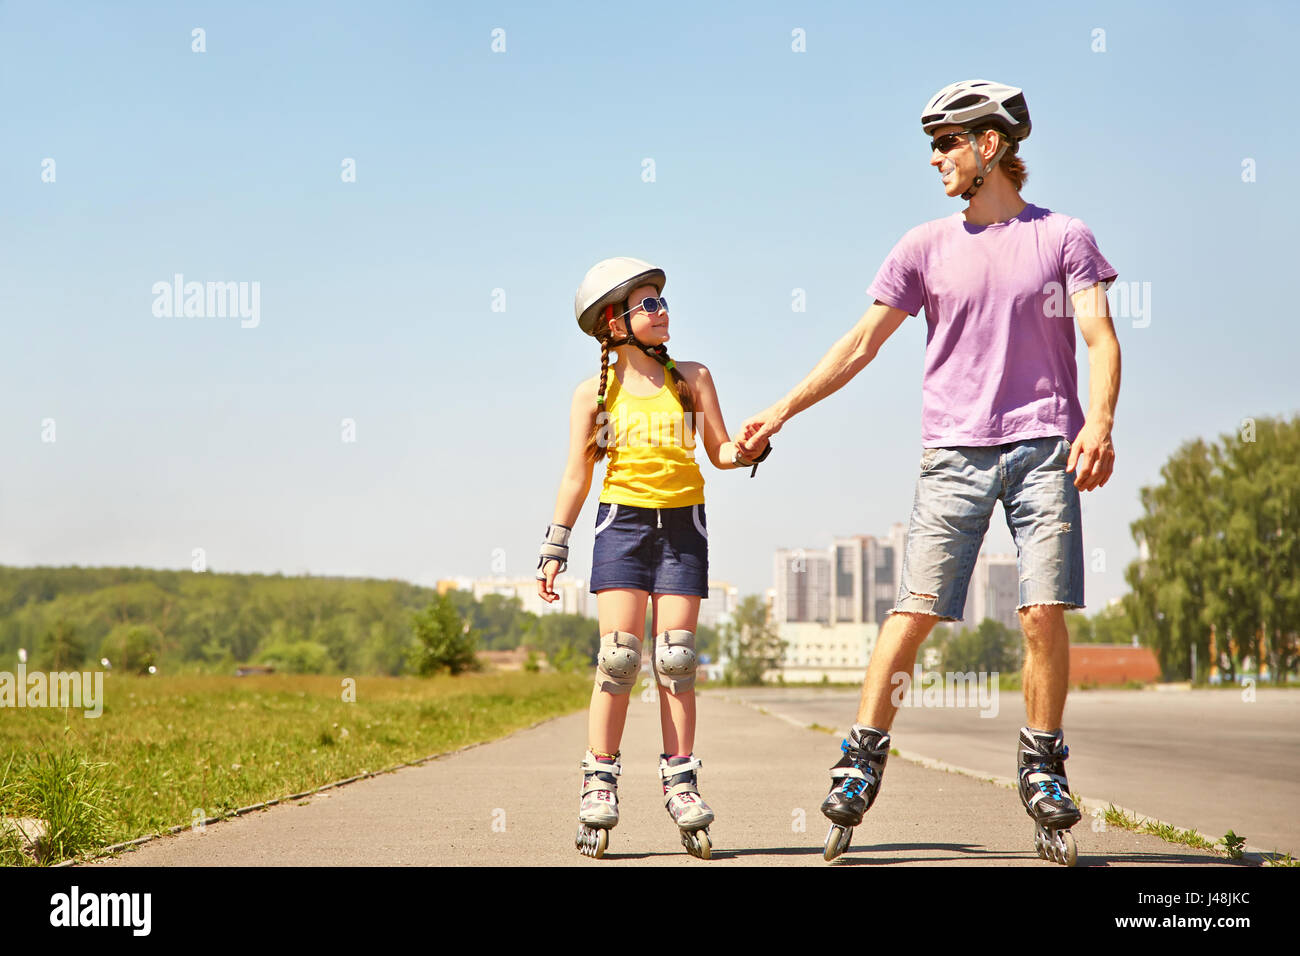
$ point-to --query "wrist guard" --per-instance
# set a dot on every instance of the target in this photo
(555, 547)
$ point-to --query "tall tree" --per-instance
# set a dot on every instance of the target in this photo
(752, 644)
(1219, 551)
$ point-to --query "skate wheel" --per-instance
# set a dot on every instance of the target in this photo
(837, 841)
(1069, 851)
(1040, 845)
(697, 843)
(591, 841)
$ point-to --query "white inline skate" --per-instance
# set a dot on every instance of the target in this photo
(685, 805)
(598, 813)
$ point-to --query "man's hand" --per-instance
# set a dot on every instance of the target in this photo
(753, 435)
(1095, 455)
(546, 586)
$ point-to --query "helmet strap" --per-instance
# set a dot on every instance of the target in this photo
(983, 168)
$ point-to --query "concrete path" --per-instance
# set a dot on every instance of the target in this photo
(1207, 759)
(515, 801)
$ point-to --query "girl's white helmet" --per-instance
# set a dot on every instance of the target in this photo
(609, 282)
(976, 103)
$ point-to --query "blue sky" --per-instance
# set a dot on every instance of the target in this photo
(477, 171)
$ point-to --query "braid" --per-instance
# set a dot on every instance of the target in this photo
(660, 355)
(595, 449)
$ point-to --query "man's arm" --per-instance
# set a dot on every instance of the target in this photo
(847, 357)
(1092, 449)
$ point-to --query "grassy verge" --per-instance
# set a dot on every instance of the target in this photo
(172, 751)
(1230, 846)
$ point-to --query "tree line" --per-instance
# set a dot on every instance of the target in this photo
(72, 617)
(1219, 554)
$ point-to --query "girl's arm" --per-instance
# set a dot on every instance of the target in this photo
(708, 417)
(576, 481)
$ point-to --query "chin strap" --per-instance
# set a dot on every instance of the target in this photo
(984, 170)
(656, 352)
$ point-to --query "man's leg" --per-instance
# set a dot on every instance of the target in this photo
(1044, 516)
(895, 653)
(1046, 673)
(955, 494)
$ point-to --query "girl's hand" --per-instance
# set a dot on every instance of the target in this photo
(546, 588)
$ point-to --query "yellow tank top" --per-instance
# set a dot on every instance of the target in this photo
(650, 455)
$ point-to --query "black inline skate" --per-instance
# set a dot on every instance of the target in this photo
(1046, 794)
(855, 784)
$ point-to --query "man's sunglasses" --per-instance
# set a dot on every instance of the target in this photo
(949, 141)
(651, 306)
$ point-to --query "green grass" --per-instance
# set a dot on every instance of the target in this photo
(1230, 846)
(170, 751)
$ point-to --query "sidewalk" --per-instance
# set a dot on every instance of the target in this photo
(515, 801)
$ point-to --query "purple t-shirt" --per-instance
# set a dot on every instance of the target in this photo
(999, 349)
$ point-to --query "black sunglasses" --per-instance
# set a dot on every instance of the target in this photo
(949, 141)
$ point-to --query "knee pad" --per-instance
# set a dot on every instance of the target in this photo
(675, 661)
(618, 662)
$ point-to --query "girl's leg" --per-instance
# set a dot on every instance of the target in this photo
(676, 711)
(620, 609)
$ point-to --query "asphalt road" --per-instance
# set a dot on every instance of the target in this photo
(1203, 759)
(515, 801)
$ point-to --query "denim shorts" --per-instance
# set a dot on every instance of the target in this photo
(660, 550)
(955, 495)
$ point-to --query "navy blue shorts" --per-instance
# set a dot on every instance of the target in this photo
(660, 550)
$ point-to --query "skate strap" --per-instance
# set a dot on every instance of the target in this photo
(594, 784)
(1046, 783)
(679, 789)
(666, 771)
(595, 766)
(837, 772)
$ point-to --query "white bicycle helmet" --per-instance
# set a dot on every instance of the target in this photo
(609, 282)
(978, 103)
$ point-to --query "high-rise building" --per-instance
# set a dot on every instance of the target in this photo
(866, 576)
(717, 608)
(994, 592)
(803, 586)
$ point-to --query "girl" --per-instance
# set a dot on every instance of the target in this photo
(651, 536)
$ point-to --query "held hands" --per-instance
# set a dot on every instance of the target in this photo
(1095, 455)
(746, 448)
(753, 435)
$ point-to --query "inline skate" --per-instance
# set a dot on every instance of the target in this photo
(855, 784)
(1046, 794)
(598, 813)
(685, 805)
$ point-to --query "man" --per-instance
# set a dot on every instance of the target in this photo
(1001, 420)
